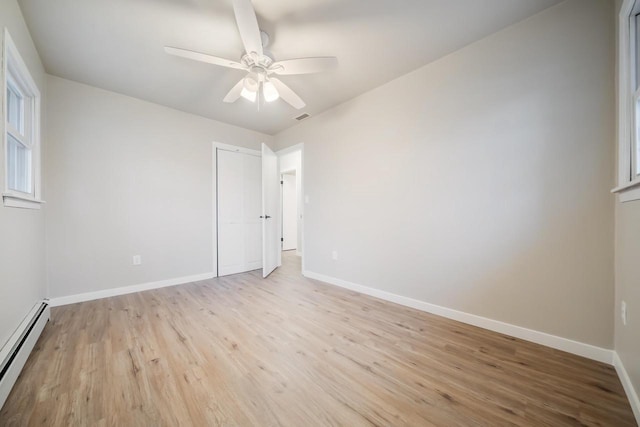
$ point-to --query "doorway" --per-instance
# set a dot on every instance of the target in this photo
(291, 163)
(246, 197)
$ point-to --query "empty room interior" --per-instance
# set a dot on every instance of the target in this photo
(320, 213)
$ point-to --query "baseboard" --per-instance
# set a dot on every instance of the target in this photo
(16, 351)
(632, 395)
(105, 293)
(575, 347)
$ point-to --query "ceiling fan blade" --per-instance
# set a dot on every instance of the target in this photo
(248, 26)
(202, 57)
(235, 92)
(304, 65)
(287, 94)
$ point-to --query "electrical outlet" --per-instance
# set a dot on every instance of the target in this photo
(306, 199)
(334, 255)
(623, 312)
(137, 260)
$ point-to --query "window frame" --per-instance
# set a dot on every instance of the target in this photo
(16, 73)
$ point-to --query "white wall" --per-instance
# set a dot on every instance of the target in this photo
(627, 337)
(627, 282)
(128, 177)
(22, 250)
(481, 181)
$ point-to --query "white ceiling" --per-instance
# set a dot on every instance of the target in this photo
(118, 45)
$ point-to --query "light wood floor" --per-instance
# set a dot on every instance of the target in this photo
(287, 351)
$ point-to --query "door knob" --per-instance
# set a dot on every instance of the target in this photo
(265, 217)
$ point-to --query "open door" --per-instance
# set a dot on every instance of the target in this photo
(270, 201)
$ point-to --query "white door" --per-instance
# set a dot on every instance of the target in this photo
(239, 228)
(270, 202)
(289, 212)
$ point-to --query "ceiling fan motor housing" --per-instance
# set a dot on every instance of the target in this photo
(251, 60)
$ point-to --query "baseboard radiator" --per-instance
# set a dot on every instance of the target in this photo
(15, 352)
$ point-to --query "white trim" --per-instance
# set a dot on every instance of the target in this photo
(627, 185)
(629, 194)
(17, 135)
(11, 375)
(236, 149)
(16, 200)
(581, 349)
(11, 343)
(629, 191)
(302, 205)
(19, 67)
(106, 293)
(214, 205)
(297, 147)
(632, 395)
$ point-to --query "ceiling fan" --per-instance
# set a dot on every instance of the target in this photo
(259, 64)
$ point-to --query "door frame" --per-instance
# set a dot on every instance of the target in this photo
(214, 180)
(282, 174)
(296, 147)
(270, 230)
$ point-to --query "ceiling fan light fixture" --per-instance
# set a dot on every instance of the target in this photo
(249, 95)
(252, 82)
(270, 92)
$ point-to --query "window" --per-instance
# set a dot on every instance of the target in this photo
(22, 131)
(634, 25)
(629, 101)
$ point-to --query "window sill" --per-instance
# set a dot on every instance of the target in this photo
(628, 191)
(11, 200)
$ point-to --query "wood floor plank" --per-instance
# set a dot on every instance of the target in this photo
(289, 351)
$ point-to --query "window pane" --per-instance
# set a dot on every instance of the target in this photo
(18, 166)
(15, 108)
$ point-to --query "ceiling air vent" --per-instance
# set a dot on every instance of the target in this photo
(302, 116)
